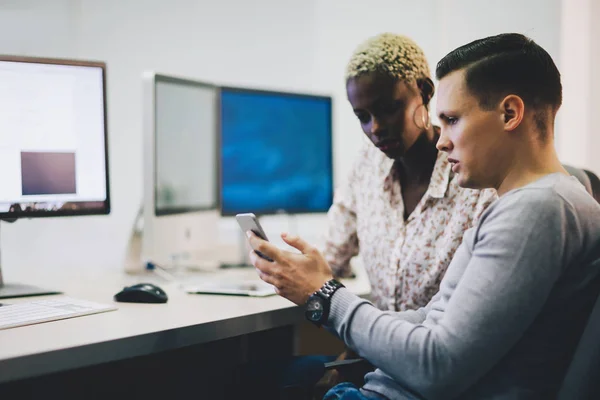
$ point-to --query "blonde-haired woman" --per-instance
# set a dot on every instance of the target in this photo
(400, 210)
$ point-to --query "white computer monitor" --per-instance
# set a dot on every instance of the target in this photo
(53, 141)
(181, 201)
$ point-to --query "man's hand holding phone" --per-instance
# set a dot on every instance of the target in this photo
(295, 276)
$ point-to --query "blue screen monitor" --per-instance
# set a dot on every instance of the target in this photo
(276, 152)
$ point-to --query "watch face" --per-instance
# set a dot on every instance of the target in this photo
(314, 309)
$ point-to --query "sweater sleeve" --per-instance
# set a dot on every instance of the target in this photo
(494, 288)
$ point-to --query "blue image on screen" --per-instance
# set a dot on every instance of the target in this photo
(276, 153)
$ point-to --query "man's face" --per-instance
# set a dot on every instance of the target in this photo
(474, 138)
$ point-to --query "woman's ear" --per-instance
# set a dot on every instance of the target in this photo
(427, 89)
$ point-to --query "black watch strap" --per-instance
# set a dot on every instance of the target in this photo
(319, 303)
(329, 288)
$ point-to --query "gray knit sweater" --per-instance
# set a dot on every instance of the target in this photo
(509, 311)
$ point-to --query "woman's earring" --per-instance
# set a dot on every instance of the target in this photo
(424, 118)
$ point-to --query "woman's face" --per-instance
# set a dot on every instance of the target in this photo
(385, 108)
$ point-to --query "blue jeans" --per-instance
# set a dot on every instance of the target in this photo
(344, 391)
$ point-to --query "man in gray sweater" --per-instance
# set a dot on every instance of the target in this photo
(520, 288)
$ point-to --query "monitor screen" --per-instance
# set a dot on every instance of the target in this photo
(53, 138)
(186, 159)
(276, 152)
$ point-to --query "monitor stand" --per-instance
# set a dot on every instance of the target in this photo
(242, 256)
(9, 290)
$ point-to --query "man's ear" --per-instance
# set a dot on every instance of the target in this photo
(513, 109)
(427, 89)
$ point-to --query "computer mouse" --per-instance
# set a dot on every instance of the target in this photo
(142, 293)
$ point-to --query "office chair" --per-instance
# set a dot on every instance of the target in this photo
(595, 184)
(582, 380)
(581, 175)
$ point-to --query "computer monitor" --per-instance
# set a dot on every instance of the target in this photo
(53, 142)
(180, 169)
(276, 152)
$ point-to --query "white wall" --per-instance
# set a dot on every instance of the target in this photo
(594, 106)
(279, 44)
(37, 28)
(574, 119)
(580, 39)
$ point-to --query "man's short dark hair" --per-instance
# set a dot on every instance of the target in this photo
(504, 64)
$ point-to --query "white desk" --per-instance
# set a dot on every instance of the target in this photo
(134, 329)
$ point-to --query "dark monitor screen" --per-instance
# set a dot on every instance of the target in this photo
(276, 152)
(53, 138)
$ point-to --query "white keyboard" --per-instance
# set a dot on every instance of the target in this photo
(37, 311)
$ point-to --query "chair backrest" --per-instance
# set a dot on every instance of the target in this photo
(581, 176)
(582, 380)
(595, 183)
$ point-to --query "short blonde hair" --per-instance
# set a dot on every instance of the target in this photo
(397, 56)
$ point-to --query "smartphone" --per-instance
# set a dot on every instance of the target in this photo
(249, 222)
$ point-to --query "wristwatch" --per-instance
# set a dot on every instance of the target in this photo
(319, 303)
